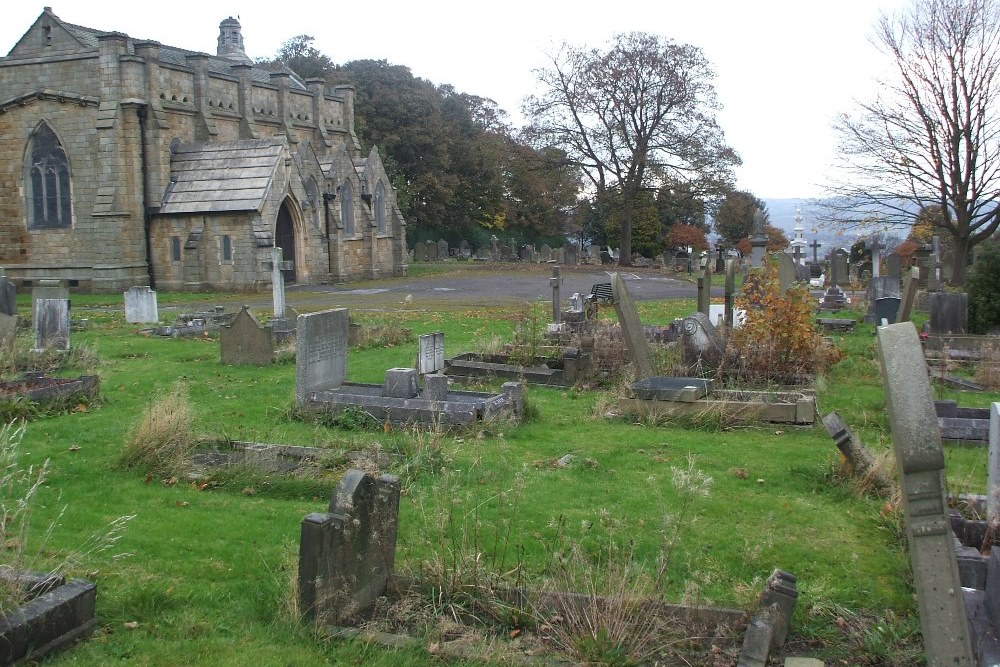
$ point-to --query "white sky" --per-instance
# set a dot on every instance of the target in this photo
(784, 69)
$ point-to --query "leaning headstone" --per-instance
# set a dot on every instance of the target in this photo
(768, 627)
(993, 468)
(786, 271)
(346, 555)
(245, 342)
(909, 294)
(140, 306)
(8, 297)
(51, 319)
(700, 341)
(920, 464)
(320, 352)
(635, 335)
(858, 457)
(430, 353)
(949, 313)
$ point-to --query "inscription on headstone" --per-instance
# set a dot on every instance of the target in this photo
(430, 353)
(321, 352)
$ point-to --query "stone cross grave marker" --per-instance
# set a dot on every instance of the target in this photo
(245, 342)
(705, 286)
(140, 306)
(949, 312)
(993, 467)
(430, 353)
(51, 319)
(555, 282)
(815, 245)
(909, 294)
(920, 463)
(635, 335)
(320, 352)
(346, 554)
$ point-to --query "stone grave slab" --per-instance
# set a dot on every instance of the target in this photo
(430, 353)
(246, 342)
(920, 463)
(140, 306)
(635, 337)
(59, 613)
(321, 352)
(662, 388)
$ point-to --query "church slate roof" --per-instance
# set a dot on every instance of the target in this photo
(221, 176)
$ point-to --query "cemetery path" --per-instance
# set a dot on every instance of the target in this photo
(478, 285)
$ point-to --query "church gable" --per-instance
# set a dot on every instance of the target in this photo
(49, 36)
(223, 176)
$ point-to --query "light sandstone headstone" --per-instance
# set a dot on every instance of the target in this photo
(245, 342)
(635, 335)
(320, 352)
(430, 353)
(51, 320)
(346, 555)
(140, 306)
(920, 465)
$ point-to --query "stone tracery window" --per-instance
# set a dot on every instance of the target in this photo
(48, 182)
(380, 207)
(347, 208)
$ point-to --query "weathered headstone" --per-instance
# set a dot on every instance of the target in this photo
(555, 282)
(880, 288)
(400, 383)
(838, 268)
(431, 251)
(949, 313)
(494, 248)
(934, 265)
(430, 353)
(442, 250)
(704, 286)
(278, 282)
(346, 555)
(245, 342)
(48, 289)
(876, 248)
(786, 271)
(815, 245)
(51, 320)
(894, 266)
(730, 293)
(8, 297)
(320, 352)
(635, 336)
(920, 463)
(571, 254)
(140, 306)
(545, 252)
(993, 467)
(758, 240)
(700, 341)
(909, 294)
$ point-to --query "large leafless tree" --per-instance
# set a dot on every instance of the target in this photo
(930, 137)
(632, 117)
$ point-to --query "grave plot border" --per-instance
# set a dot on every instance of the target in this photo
(59, 613)
(562, 371)
(84, 386)
(733, 405)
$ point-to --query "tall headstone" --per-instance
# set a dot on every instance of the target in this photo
(320, 352)
(245, 342)
(48, 289)
(8, 297)
(934, 266)
(704, 286)
(442, 249)
(346, 555)
(949, 313)
(758, 240)
(555, 282)
(51, 320)
(140, 306)
(894, 266)
(838, 268)
(876, 249)
(494, 248)
(786, 271)
(993, 468)
(635, 335)
(730, 292)
(909, 295)
(920, 463)
(430, 353)
(277, 282)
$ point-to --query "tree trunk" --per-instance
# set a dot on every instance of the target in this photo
(959, 258)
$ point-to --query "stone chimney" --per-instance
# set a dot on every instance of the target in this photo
(231, 41)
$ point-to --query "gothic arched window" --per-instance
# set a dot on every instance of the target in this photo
(347, 208)
(48, 184)
(380, 207)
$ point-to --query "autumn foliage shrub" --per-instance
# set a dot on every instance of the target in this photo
(778, 341)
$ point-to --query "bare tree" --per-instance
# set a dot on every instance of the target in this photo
(930, 137)
(632, 118)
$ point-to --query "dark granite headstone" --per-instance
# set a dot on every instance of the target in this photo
(949, 313)
(886, 309)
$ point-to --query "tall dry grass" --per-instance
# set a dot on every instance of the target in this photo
(162, 440)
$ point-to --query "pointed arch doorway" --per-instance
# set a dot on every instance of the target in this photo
(284, 238)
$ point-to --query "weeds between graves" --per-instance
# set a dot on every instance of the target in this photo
(161, 442)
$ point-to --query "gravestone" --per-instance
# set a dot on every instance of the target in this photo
(571, 254)
(51, 320)
(400, 383)
(635, 336)
(545, 252)
(494, 248)
(838, 268)
(949, 313)
(140, 306)
(876, 248)
(880, 288)
(606, 258)
(8, 297)
(463, 249)
(886, 309)
(700, 341)
(320, 352)
(758, 240)
(993, 467)
(934, 266)
(920, 465)
(786, 271)
(909, 295)
(894, 267)
(245, 342)
(346, 555)
(730, 292)
(430, 353)
(48, 289)
(431, 251)
(704, 286)
(278, 282)
(555, 282)
(419, 252)
(8, 333)
(442, 249)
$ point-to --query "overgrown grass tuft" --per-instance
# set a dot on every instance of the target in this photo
(161, 442)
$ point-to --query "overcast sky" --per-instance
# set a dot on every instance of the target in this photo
(783, 69)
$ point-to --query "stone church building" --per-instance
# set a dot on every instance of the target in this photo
(127, 162)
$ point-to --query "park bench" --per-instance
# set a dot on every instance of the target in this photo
(601, 292)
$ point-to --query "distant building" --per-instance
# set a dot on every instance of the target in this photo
(126, 162)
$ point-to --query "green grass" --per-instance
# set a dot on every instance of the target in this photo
(209, 576)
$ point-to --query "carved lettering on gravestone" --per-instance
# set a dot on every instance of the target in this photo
(346, 555)
(51, 319)
(635, 335)
(430, 353)
(320, 352)
(246, 342)
(920, 462)
(140, 306)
